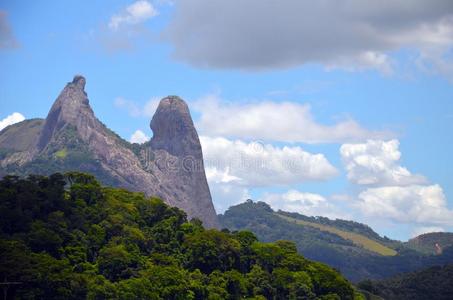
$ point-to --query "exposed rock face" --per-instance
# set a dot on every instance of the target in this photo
(71, 107)
(72, 110)
(161, 168)
(179, 158)
(18, 141)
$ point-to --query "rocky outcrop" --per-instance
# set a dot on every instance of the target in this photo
(170, 167)
(179, 160)
(18, 141)
(71, 108)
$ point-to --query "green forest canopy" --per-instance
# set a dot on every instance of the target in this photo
(66, 236)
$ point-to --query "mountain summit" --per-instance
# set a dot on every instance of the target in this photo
(71, 108)
(173, 129)
(72, 138)
(178, 159)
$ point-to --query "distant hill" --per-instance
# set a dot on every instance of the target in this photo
(431, 243)
(67, 237)
(351, 247)
(357, 239)
(431, 283)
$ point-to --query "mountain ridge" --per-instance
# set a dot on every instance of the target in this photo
(358, 239)
(72, 138)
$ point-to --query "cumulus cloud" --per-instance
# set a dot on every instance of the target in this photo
(136, 110)
(272, 121)
(7, 38)
(265, 120)
(366, 60)
(280, 34)
(139, 137)
(391, 192)
(407, 204)
(308, 204)
(11, 119)
(257, 164)
(233, 167)
(138, 12)
(376, 163)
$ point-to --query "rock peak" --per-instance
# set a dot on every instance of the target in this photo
(79, 81)
(174, 103)
(71, 107)
(179, 159)
(173, 128)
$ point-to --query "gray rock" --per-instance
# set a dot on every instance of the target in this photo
(179, 158)
(169, 167)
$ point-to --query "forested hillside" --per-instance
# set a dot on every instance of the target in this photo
(431, 243)
(353, 248)
(67, 237)
(432, 283)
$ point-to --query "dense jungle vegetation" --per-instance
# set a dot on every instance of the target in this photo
(65, 236)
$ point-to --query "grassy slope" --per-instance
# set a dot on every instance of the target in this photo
(357, 239)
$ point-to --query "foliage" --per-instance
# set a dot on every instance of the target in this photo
(432, 283)
(329, 246)
(431, 243)
(67, 237)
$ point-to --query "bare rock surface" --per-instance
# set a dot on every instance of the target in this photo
(179, 160)
(170, 166)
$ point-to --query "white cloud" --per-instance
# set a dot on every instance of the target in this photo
(366, 60)
(376, 163)
(224, 176)
(137, 12)
(256, 164)
(351, 34)
(272, 121)
(139, 137)
(416, 204)
(11, 119)
(136, 110)
(304, 203)
(435, 43)
(426, 229)
(392, 192)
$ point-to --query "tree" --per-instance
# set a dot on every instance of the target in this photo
(81, 240)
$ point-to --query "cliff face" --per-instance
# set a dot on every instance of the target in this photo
(72, 138)
(179, 160)
(71, 108)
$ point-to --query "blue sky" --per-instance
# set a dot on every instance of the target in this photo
(373, 95)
